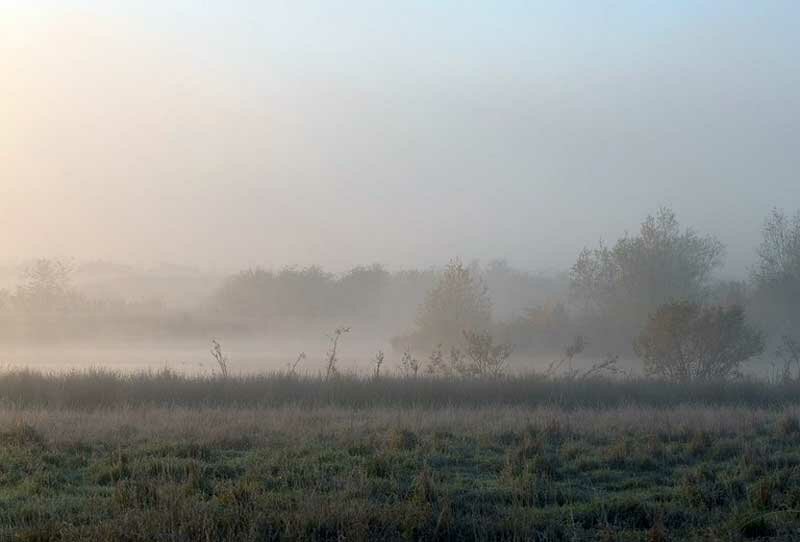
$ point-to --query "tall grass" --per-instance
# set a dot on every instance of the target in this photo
(102, 388)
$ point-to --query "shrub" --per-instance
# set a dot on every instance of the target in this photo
(685, 341)
(487, 359)
(480, 358)
(409, 365)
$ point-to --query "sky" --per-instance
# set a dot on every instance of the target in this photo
(240, 133)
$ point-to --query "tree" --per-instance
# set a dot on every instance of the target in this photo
(684, 342)
(360, 292)
(777, 272)
(789, 353)
(46, 285)
(459, 302)
(662, 263)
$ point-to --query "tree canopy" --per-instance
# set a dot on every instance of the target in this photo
(777, 272)
(660, 264)
(458, 302)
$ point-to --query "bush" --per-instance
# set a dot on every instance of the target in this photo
(487, 359)
(685, 341)
(481, 358)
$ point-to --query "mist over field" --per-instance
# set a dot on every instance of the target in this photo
(357, 270)
(157, 151)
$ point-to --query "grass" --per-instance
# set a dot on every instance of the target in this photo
(100, 388)
(158, 456)
(457, 473)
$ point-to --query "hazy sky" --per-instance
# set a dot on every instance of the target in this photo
(249, 132)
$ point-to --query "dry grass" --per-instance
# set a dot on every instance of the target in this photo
(499, 472)
(159, 456)
(211, 425)
(100, 388)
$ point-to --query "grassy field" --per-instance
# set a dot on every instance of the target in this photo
(100, 455)
(101, 388)
(496, 472)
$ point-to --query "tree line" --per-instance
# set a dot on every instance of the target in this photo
(653, 293)
(631, 297)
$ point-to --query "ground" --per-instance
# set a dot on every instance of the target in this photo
(331, 473)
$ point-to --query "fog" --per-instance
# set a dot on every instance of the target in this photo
(306, 134)
(178, 145)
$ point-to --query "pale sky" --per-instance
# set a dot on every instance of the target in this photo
(236, 133)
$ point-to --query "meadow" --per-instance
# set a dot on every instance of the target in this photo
(98, 455)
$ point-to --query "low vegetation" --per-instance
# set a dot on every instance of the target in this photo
(685, 341)
(607, 295)
(101, 388)
(388, 473)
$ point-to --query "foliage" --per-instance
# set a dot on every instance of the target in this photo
(541, 327)
(777, 271)
(487, 359)
(685, 341)
(638, 273)
(457, 303)
(779, 251)
(263, 298)
(789, 353)
(480, 358)
(409, 365)
(46, 285)
(294, 294)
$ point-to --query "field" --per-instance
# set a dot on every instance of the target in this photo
(82, 464)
